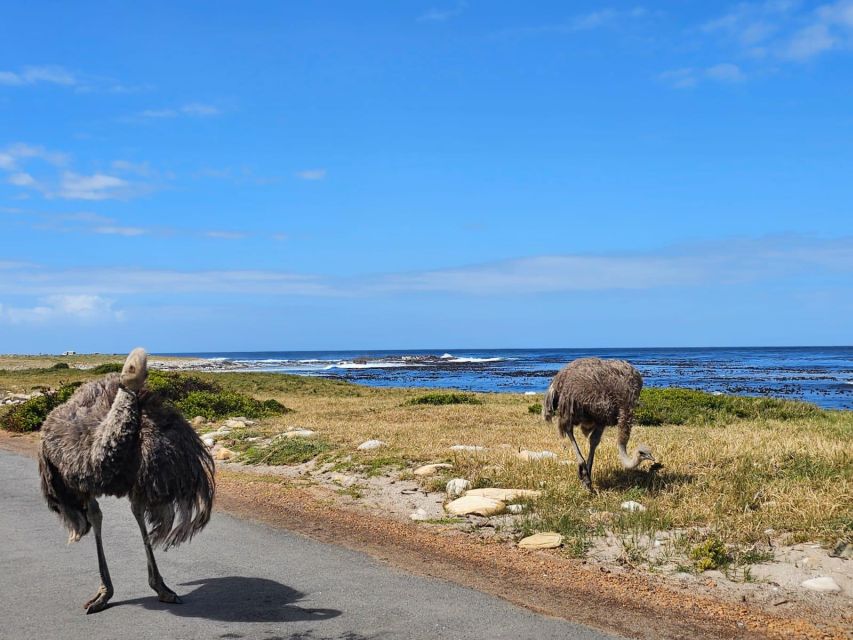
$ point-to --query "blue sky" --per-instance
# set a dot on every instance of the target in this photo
(327, 175)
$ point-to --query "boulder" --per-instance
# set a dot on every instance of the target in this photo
(631, 506)
(548, 540)
(822, 584)
(475, 505)
(536, 455)
(457, 487)
(505, 495)
(370, 444)
(430, 469)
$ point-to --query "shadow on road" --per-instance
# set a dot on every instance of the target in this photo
(237, 599)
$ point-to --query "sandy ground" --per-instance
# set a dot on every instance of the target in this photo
(371, 515)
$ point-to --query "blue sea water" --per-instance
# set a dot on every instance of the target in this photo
(823, 375)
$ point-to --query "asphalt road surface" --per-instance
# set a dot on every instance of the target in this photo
(238, 580)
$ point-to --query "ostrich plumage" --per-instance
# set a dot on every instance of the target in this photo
(114, 437)
(594, 394)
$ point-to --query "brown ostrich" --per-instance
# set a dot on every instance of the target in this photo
(114, 437)
(595, 394)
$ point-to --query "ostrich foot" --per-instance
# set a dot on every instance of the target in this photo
(165, 594)
(99, 601)
(583, 474)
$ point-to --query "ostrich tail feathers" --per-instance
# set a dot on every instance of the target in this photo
(62, 500)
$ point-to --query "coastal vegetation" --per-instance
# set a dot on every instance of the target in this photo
(734, 472)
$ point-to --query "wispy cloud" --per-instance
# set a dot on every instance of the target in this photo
(311, 174)
(112, 230)
(192, 110)
(435, 14)
(30, 75)
(581, 22)
(688, 77)
(84, 308)
(225, 235)
(731, 263)
(98, 186)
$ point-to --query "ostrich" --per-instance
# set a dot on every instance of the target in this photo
(595, 394)
(114, 437)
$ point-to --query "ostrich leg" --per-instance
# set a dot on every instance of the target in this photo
(155, 580)
(583, 471)
(105, 592)
(594, 439)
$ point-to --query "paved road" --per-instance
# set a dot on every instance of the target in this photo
(238, 580)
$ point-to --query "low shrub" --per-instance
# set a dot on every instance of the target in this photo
(710, 554)
(535, 408)
(30, 415)
(444, 397)
(107, 367)
(213, 405)
(61, 365)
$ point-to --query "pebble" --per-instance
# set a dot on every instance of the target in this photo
(418, 515)
(823, 584)
(370, 444)
(476, 505)
(299, 433)
(506, 495)
(530, 393)
(515, 509)
(843, 550)
(537, 455)
(456, 487)
(632, 506)
(430, 469)
(198, 421)
(467, 447)
(208, 442)
(548, 540)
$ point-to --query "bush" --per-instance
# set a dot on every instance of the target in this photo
(535, 408)
(61, 365)
(220, 404)
(710, 554)
(107, 367)
(688, 406)
(441, 398)
(177, 386)
(30, 415)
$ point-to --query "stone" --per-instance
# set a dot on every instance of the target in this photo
(431, 469)
(505, 495)
(631, 506)
(843, 550)
(299, 433)
(548, 540)
(371, 444)
(536, 455)
(224, 454)
(475, 505)
(233, 423)
(530, 393)
(198, 421)
(209, 442)
(515, 509)
(419, 515)
(456, 487)
(467, 447)
(821, 584)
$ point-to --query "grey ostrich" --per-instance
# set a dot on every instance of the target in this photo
(115, 437)
(595, 394)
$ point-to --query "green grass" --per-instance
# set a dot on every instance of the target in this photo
(286, 451)
(107, 367)
(535, 409)
(687, 406)
(444, 397)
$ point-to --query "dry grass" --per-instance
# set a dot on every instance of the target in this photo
(735, 477)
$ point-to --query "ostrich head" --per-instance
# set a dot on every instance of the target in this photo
(135, 370)
(643, 452)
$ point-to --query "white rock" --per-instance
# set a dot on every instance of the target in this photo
(548, 540)
(530, 393)
(299, 433)
(457, 487)
(370, 444)
(224, 454)
(209, 442)
(506, 495)
(475, 505)
(823, 584)
(467, 447)
(418, 515)
(515, 509)
(537, 455)
(430, 469)
(233, 423)
(632, 506)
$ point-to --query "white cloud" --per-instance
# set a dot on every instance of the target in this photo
(201, 110)
(683, 78)
(22, 180)
(311, 174)
(193, 110)
(725, 72)
(225, 235)
(442, 15)
(85, 308)
(29, 75)
(121, 231)
(689, 77)
(582, 22)
(98, 186)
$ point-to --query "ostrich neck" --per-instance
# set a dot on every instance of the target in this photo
(628, 461)
(117, 434)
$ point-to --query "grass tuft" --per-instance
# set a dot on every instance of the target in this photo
(445, 397)
(285, 451)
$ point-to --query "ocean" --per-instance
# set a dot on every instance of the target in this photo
(822, 375)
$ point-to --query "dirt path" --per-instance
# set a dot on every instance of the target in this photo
(630, 604)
